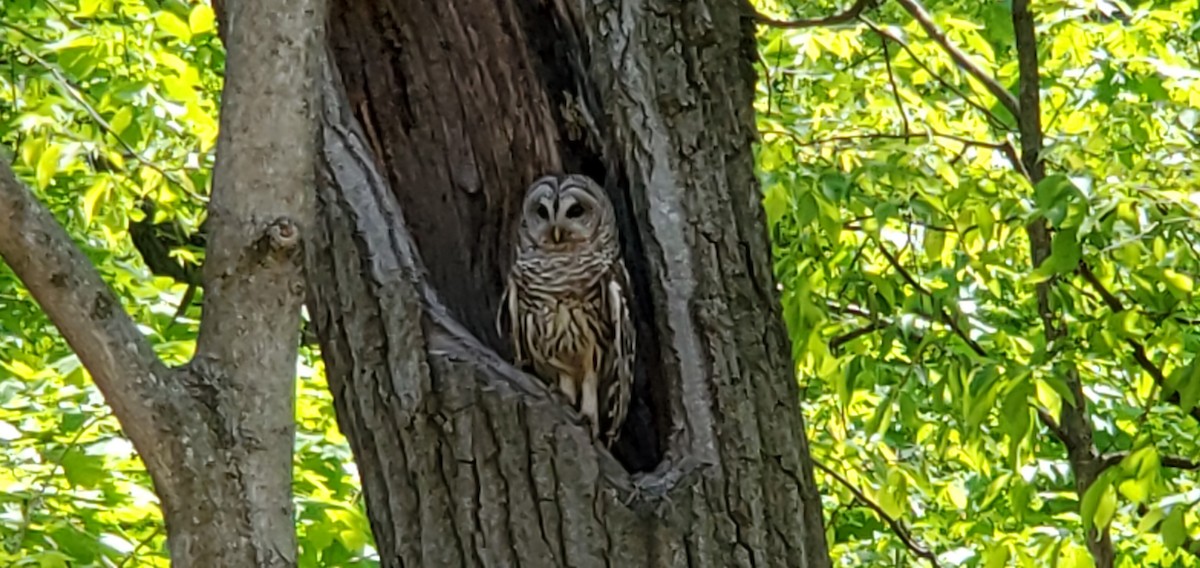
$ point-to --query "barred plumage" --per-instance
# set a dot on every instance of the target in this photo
(566, 300)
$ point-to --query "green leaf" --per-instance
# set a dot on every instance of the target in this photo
(1065, 254)
(996, 557)
(1106, 508)
(1186, 382)
(81, 469)
(121, 120)
(202, 19)
(1180, 284)
(87, 8)
(47, 165)
(1099, 503)
(97, 192)
(776, 203)
(174, 26)
(1174, 532)
(1053, 196)
(1142, 462)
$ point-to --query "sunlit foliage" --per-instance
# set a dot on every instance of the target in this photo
(897, 214)
(898, 219)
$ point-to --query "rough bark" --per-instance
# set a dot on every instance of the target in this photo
(466, 460)
(216, 435)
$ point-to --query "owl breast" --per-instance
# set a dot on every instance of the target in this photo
(561, 308)
(569, 336)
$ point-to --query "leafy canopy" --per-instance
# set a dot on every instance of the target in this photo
(898, 219)
(898, 222)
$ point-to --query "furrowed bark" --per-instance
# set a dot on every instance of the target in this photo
(678, 77)
(1074, 424)
(466, 460)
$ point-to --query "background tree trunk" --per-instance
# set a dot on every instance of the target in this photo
(216, 435)
(464, 459)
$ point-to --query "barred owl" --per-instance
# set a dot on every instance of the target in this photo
(566, 300)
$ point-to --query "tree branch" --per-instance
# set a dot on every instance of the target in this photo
(86, 312)
(887, 59)
(960, 58)
(1139, 351)
(850, 14)
(897, 527)
(1052, 424)
(946, 317)
(886, 35)
(837, 342)
(1074, 420)
(1173, 462)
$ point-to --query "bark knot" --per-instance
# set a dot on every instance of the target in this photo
(102, 306)
(283, 234)
(279, 240)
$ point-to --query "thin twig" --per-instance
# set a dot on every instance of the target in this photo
(1139, 351)
(74, 93)
(837, 342)
(987, 112)
(887, 60)
(898, 527)
(1052, 425)
(947, 319)
(143, 544)
(964, 62)
(848, 15)
(1173, 462)
(43, 483)
(1005, 147)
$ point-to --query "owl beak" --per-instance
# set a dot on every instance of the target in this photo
(556, 234)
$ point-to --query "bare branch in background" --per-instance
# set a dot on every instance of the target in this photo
(1005, 147)
(1139, 351)
(964, 61)
(849, 15)
(837, 342)
(1076, 427)
(947, 318)
(887, 35)
(887, 59)
(1173, 462)
(898, 527)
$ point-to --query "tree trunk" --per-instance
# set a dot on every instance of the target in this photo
(216, 435)
(436, 117)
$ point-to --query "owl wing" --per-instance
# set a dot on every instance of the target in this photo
(618, 381)
(510, 313)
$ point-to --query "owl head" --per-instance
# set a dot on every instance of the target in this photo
(563, 213)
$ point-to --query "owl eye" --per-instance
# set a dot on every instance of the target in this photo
(575, 211)
(543, 212)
